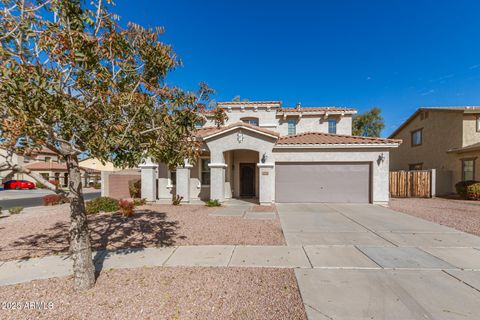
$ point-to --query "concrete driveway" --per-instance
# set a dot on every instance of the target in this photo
(370, 262)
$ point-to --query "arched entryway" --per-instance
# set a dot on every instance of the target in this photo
(242, 173)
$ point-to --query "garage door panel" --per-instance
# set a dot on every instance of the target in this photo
(322, 182)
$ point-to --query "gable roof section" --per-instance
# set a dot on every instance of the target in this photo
(327, 139)
(464, 109)
(317, 110)
(210, 132)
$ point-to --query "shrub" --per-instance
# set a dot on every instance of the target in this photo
(213, 203)
(101, 204)
(135, 188)
(54, 199)
(139, 201)
(39, 185)
(15, 210)
(96, 185)
(468, 190)
(176, 200)
(126, 207)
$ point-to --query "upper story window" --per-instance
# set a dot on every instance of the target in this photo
(198, 124)
(417, 137)
(332, 126)
(292, 127)
(478, 123)
(252, 121)
(48, 159)
(468, 169)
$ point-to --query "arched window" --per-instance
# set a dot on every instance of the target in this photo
(250, 120)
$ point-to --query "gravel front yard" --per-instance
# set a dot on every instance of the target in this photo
(165, 293)
(45, 231)
(459, 214)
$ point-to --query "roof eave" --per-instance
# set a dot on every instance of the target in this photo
(338, 146)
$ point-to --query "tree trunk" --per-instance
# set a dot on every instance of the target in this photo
(80, 248)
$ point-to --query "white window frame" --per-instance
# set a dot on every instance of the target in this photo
(334, 121)
(249, 120)
(473, 168)
(478, 123)
(294, 123)
(420, 132)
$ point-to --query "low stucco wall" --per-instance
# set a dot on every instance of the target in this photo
(115, 183)
(380, 171)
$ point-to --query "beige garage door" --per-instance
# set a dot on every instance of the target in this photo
(322, 182)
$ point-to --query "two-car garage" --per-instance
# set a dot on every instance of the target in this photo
(323, 182)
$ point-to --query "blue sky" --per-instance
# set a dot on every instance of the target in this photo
(397, 55)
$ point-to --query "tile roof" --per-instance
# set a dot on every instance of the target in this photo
(315, 138)
(46, 166)
(318, 109)
(472, 147)
(248, 102)
(41, 165)
(209, 131)
(453, 108)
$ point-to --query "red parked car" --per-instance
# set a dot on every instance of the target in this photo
(18, 184)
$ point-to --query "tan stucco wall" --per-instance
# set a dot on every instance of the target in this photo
(470, 133)
(94, 163)
(442, 131)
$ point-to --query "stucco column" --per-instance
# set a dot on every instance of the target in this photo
(266, 183)
(217, 181)
(104, 183)
(149, 180)
(183, 182)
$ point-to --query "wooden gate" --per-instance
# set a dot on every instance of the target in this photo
(411, 184)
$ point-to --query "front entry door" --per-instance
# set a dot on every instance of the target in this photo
(247, 179)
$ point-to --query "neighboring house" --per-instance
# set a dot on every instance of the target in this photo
(95, 167)
(277, 154)
(443, 138)
(96, 164)
(51, 167)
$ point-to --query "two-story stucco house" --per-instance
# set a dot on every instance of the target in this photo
(443, 138)
(277, 154)
(50, 166)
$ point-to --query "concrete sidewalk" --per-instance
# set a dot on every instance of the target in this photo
(304, 257)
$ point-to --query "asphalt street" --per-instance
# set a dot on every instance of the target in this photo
(30, 198)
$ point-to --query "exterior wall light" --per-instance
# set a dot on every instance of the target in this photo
(381, 158)
(264, 158)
